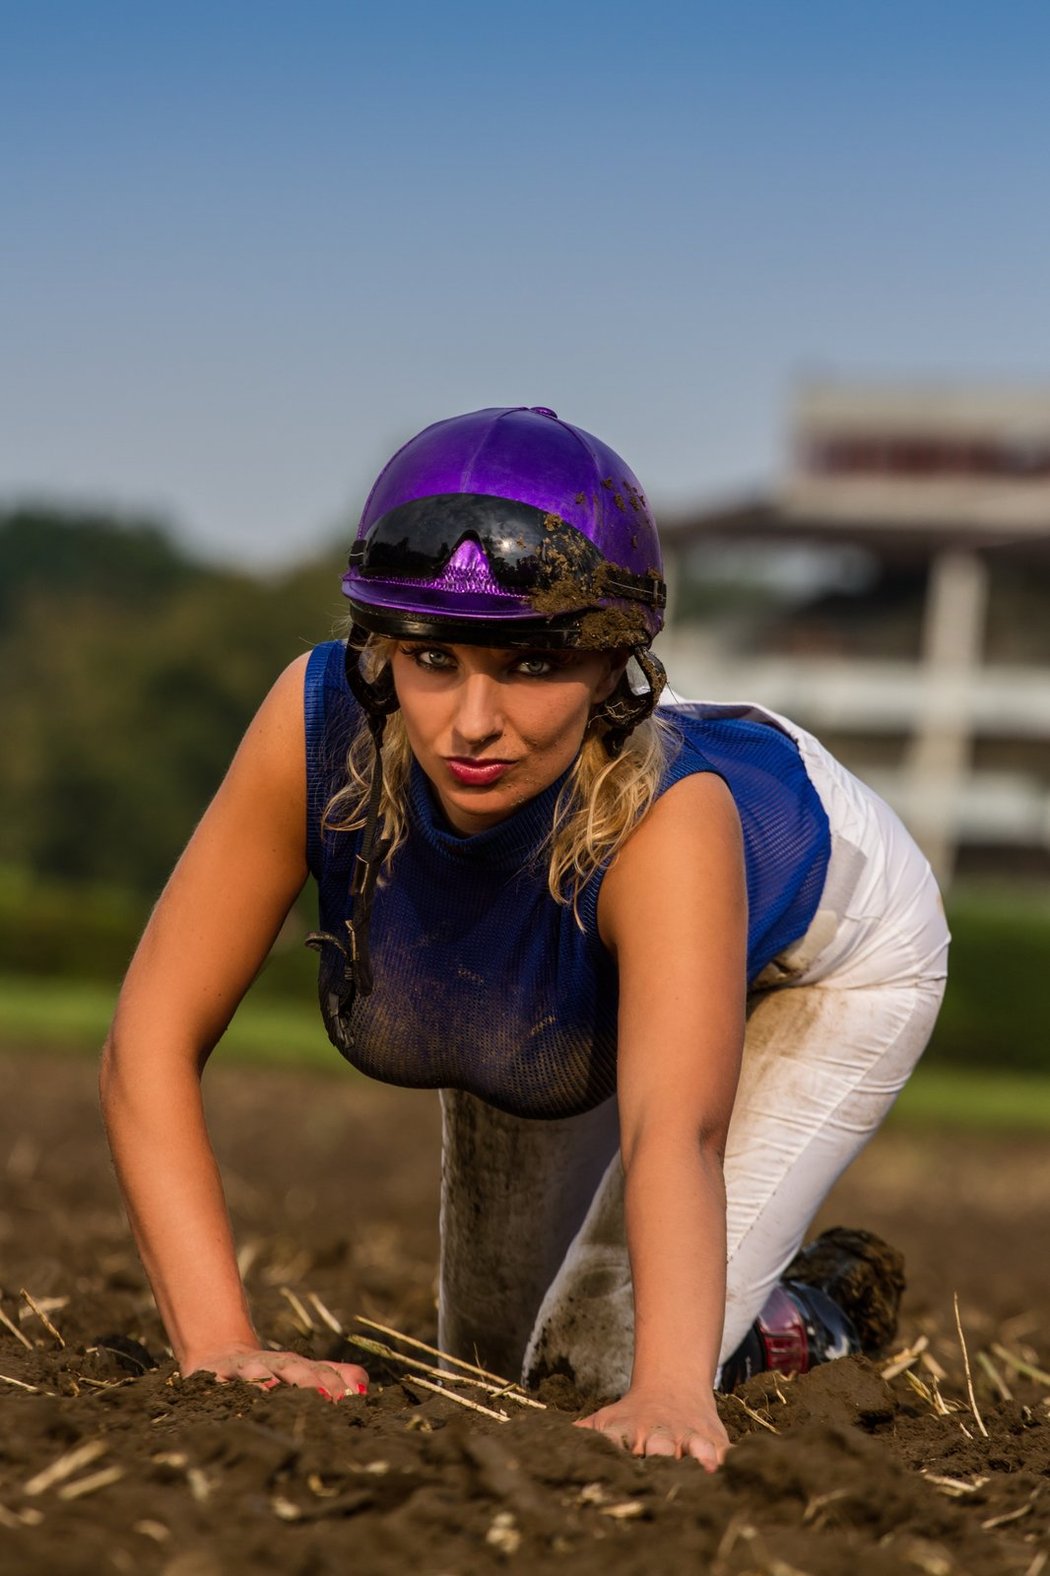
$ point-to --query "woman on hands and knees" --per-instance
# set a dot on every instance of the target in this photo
(668, 966)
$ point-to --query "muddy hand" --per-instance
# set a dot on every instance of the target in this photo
(664, 1424)
(268, 1369)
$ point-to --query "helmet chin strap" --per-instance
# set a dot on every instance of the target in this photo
(374, 849)
(376, 697)
(624, 709)
(377, 700)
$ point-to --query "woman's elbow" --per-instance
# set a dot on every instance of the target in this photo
(133, 1069)
(697, 1138)
(112, 1069)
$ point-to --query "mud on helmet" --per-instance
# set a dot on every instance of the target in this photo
(503, 527)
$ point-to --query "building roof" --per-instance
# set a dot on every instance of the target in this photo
(902, 471)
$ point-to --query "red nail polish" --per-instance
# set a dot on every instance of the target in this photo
(362, 1389)
(325, 1393)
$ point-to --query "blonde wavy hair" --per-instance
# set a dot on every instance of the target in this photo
(598, 808)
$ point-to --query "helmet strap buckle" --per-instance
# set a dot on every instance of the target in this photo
(626, 708)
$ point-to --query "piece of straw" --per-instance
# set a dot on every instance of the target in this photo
(325, 1314)
(920, 1388)
(15, 1331)
(756, 1417)
(995, 1376)
(13, 1519)
(42, 1316)
(1011, 1515)
(20, 1384)
(409, 1340)
(954, 1487)
(65, 1466)
(90, 1485)
(302, 1318)
(461, 1400)
(940, 1405)
(903, 1360)
(978, 1419)
(930, 1363)
(819, 1504)
(626, 1510)
(1019, 1365)
(377, 1349)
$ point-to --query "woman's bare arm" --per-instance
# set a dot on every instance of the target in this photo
(674, 910)
(208, 936)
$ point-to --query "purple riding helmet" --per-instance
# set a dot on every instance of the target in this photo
(509, 527)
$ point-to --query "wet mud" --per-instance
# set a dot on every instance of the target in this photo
(109, 1464)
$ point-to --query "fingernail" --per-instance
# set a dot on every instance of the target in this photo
(325, 1393)
(362, 1389)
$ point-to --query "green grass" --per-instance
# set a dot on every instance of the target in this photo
(976, 1098)
(74, 1016)
(998, 981)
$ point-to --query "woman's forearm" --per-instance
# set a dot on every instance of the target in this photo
(173, 1194)
(676, 1237)
(209, 934)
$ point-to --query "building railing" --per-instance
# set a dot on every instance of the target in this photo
(896, 699)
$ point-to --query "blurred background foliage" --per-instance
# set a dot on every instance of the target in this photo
(128, 672)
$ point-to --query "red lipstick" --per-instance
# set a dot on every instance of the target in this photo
(476, 774)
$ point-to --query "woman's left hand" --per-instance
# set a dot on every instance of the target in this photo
(664, 1423)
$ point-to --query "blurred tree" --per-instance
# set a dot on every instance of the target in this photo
(128, 672)
(84, 554)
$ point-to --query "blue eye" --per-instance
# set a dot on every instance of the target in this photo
(432, 657)
(535, 667)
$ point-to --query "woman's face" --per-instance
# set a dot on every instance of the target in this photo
(491, 726)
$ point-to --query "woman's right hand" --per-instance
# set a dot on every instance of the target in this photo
(267, 1369)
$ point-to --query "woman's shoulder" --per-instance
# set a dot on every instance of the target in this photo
(741, 742)
(330, 709)
(325, 669)
(766, 766)
(309, 694)
(686, 849)
(704, 722)
(331, 716)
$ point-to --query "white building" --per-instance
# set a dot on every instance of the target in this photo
(945, 492)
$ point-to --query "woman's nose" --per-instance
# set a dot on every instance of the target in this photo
(479, 713)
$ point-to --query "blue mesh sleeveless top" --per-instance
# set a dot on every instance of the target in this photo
(482, 981)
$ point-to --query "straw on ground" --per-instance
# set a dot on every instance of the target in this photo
(978, 1419)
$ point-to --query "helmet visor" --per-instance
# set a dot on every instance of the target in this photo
(527, 550)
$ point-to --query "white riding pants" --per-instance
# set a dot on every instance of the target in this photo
(534, 1269)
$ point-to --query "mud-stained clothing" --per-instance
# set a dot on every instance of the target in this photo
(846, 968)
(483, 982)
(540, 1280)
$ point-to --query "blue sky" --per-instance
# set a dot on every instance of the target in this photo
(249, 247)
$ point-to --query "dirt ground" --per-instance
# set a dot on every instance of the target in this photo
(105, 1467)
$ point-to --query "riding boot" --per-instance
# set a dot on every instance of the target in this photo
(839, 1296)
